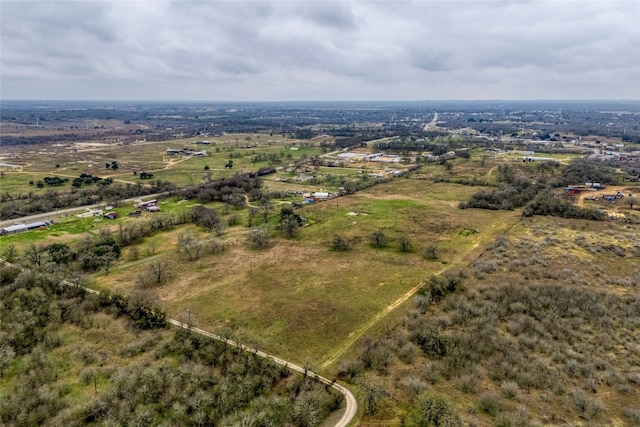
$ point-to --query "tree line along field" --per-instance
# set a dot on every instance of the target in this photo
(314, 292)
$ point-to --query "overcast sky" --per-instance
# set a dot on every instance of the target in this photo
(320, 50)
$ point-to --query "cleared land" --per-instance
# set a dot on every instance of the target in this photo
(504, 361)
(301, 299)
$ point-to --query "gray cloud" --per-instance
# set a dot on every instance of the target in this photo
(262, 50)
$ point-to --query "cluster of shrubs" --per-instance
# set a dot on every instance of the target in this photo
(548, 204)
(55, 181)
(141, 312)
(586, 170)
(506, 340)
(229, 190)
(21, 204)
(506, 197)
(88, 179)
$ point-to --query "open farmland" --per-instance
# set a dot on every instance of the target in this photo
(427, 269)
(247, 152)
(298, 297)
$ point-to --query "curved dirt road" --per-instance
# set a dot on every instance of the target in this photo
(351, 405)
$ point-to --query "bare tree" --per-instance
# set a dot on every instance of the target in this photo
(219, 228)
(216, 246)
(339, 244)
(160, 269)
(107, 259)
(265, 208)
(289, 226)
(232, 220)
(379, 239)
(10, 253)
(190, 245)
(260, 237)
(289, 221)
(375, 392)
(151, 248)
(431, 253)
(405, 244)
(134, 253)
(252, 214)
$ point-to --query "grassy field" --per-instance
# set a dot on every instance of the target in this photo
(71, 228)
(73, 159)
(298, 298)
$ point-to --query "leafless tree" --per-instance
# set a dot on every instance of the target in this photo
(265, 208)
(190, 245)
(107, 259)
(339, 244)
(379, 239)
(10, 253)
(160, 269)
(260, 237)
(151, 248)
(216, 246)
(289, 226)
(134, 253)
(405, 244)
(252, 214)
(431, 253)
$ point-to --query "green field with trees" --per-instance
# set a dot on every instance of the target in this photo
(444, 289)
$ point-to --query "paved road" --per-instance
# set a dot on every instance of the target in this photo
(52, 214)
(433, 123)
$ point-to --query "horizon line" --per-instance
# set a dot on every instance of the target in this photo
(326, 100)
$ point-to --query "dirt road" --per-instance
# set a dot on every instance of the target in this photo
(351, 405)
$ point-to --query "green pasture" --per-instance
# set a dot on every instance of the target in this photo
(298, 297)
(15, 183)
(73, 160)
